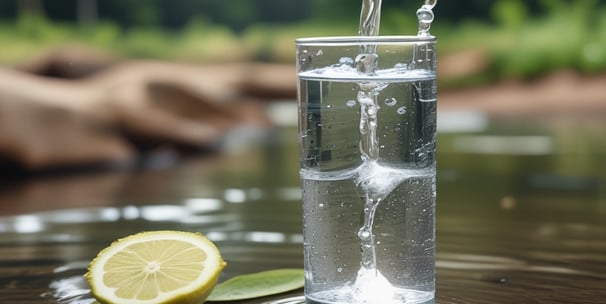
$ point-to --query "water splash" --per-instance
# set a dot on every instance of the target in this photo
(425, 16)
(71, 290)
(430, 3)
(369, 281)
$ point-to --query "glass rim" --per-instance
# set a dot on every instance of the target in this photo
(354, 40)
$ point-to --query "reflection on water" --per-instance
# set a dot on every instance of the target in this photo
(228, 228)
(514, 225)
(293, 300)
(71, 290)
(479, 262)
(508, 145)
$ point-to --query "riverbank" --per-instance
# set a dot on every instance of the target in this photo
(562, 93)
(113, 109)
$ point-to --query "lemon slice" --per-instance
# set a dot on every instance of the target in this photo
(156, 267)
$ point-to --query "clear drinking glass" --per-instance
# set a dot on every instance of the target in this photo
(367, 134)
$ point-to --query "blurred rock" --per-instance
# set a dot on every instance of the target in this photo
(70, 62)
(560, 94)
(464, 63)
(47, 123)
(105, 111)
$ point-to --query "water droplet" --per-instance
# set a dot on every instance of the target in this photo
(321, 205)
(382, 146)
(390, 102)
(339, 269)
(329, 106)
(401, 110)
(425, 15)
(351, 103)
(304, 56)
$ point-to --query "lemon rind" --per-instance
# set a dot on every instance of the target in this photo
(194, 292)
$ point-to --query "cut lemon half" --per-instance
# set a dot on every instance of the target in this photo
(156, 267)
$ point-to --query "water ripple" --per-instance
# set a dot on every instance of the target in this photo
(482, 262)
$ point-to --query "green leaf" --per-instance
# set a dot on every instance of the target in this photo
(250, 286)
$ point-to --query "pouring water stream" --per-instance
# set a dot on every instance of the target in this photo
(370, 283)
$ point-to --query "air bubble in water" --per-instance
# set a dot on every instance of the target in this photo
(304, 56)
(401, 110)
(364, 234)
(372, 110)
(391, 102)
(422, 156)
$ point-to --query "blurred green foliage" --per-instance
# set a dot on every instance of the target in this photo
(520, 44)
(571, 35)
(521, 38)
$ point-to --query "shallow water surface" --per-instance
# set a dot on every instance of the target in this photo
(521, 215)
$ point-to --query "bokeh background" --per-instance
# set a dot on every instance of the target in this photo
(128, 83)
(120, 116)
(518, 38)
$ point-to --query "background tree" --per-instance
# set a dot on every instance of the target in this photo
(87, 12)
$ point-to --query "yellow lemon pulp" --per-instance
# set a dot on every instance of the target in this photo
(156, 267)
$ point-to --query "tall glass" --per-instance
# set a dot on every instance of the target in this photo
(367, 133)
